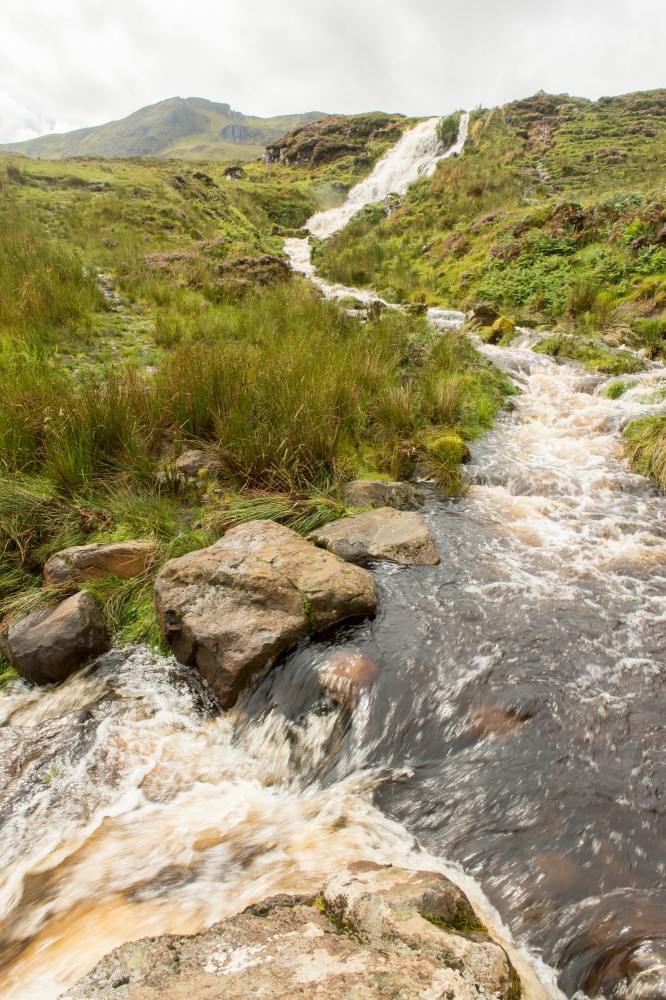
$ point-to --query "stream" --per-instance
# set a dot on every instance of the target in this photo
(517, 728)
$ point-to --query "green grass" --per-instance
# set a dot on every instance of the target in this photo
(593, 355)
(646, 447)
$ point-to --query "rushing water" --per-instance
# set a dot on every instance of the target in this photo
(516, 728)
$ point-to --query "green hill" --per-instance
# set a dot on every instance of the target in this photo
(189, 129)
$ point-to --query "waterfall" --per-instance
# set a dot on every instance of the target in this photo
(415, 155)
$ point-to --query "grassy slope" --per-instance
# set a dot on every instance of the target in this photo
(183, 129)
(553, 214)
(97, 395)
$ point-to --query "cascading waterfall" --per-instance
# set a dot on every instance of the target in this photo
(516, 728)
(415, 155)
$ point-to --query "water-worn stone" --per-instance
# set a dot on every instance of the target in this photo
(368, 935)
(51, 643)
(380, 493)
(96, 561)
(397, 536)
(197, 462)
(232, 608)
(346, 675)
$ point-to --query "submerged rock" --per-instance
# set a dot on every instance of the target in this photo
(51, 643)
(373, 931)
(232, 608)
(381, 493)
(397, 536)
(345, 675)
(96, 561)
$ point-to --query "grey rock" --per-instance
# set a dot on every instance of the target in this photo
(380, 493)
(232, 608)
(196, 462)
(368, 936)
(397, 536)
(51, 643)
(94, 562)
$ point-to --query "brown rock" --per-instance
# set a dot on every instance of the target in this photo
(232, 608)
(93, 562)
(345, 675)
(385, 533)
(51, 643)
(368, 936)
(380, 493)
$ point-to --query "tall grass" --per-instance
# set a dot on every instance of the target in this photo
(288, 398)
(646, 447)
(43, 288)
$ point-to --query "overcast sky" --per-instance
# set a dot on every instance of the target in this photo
(69, 63)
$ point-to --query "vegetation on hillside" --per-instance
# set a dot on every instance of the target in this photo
(145, 309)
(554, 214)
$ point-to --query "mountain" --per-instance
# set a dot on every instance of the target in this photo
(188, 129)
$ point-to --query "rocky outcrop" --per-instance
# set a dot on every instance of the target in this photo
(397, 536)
(232, 608)
(373, 931)
(97, 561)
(381, 493)
(51, 643)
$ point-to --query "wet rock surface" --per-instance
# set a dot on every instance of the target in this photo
(96, 561)
(345, 675)
(381, 493)
(373, 931)
(51, 643)
(397, 536)
(230, 609)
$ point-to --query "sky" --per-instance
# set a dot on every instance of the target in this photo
(67, 64)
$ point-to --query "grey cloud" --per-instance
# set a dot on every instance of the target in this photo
(81, 62)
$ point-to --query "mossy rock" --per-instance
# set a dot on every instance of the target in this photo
(502, 330)
(446, 447)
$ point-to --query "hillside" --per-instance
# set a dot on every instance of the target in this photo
(555, 213)
(193, 128)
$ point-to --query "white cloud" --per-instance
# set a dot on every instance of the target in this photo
(82, 62)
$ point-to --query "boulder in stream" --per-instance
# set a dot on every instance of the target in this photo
(373, 931)
(397, 536)
(51, 643)
(96, 561)
(232, 608)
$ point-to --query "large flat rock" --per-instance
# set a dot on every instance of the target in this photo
(397, 536)
(381, 493)
(98, 560)
(369, 933)
(232, 608)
